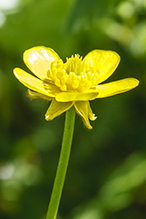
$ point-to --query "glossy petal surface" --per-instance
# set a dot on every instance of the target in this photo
(116, 87)
(82, 109)
(38, 60)
(70, 96)
(104, 62)
(56, 108)
(31, 82)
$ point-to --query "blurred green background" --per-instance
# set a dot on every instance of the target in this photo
(106, 178)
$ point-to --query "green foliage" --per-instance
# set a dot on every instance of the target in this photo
(106, 176)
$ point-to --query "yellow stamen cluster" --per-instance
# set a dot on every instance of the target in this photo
(73, 75)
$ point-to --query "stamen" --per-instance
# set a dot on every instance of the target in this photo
(72, 75)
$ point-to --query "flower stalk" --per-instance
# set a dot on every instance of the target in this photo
(62, 165)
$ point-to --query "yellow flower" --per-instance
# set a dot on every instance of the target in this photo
(73, 83)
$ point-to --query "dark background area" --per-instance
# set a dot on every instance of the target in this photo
(106, 177)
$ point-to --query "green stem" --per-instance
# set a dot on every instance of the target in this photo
(62, 165)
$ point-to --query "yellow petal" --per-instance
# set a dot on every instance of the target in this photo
(35, 95)
(55, 109)
(77, 96)
(116, 87)
(82, 109)
(104, 62)
(33, 83)
(38, 60)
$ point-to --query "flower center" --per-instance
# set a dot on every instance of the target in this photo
(74, 64)
(72, 75)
